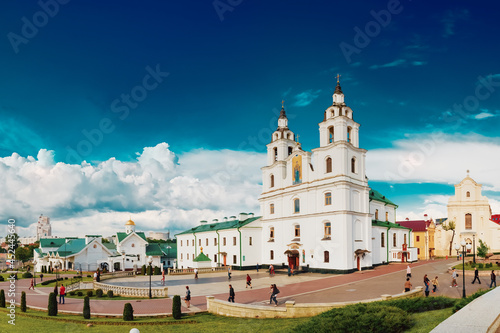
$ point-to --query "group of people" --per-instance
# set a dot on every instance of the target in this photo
(274, 291)
(454, 276)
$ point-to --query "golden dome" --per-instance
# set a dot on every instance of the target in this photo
(130, 222)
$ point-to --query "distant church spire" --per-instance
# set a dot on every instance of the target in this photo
(282, 120)
(338, 89)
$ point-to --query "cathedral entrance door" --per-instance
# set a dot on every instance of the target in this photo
(358, 261)
(224, 258)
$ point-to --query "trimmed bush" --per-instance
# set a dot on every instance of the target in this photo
(86, 307)
(359, 318)
(110, 293)
(149, 270)
(98, 293)
(420, 304)
(157, 270)
(143, 270)
(128, 312)
(27, 275)
(1, 278)
(88, 275)
(72, 293)
(23, 301)
(2, 299)
(176, 307)
(480, 265)
(52, 307)
(90, 293)
(464, 301)
(65, 278)
(79, 293)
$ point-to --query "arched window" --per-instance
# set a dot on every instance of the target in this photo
(330, 134)
(382, 240)
(290, 149)
(271, 255)
(296, 205)
(387, 216)
(328, 230)
(272, 181)
(297, 230)
(271, 208)
(468, 194)
(328, 165)
(468, 221)
(394, 240)
(275, 153)
(376, 214)
(271, 232)
(404, 240)
(328, 198)
(353, 165)
(326, 255)
(349, 130)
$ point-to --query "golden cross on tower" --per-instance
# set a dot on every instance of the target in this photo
(297, 138)
(338, 77)
(282, 104)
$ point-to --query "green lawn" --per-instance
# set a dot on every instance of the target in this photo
(40, 322)
(469, 268)
(426, 321)
(66, 282)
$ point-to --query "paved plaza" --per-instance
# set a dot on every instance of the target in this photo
(303, 288)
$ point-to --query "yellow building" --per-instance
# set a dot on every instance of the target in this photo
(423, 237)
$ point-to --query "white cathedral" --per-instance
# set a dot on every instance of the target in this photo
(317, 209)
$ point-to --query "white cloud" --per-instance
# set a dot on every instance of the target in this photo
(306, 97)
(437, 158)
(395, 63)
(159, 189)
(483, 115)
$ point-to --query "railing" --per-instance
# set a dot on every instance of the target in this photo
(79, 285)
(113, 275)
(132, 291)
(181, 271)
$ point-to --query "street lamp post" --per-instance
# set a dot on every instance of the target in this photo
(123, 257)
(468, 247)
(150, 262)
(474, 246)
(34, 273)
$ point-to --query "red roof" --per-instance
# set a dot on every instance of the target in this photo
(495, 218)
(417, 225)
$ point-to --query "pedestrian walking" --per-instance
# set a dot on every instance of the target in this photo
(196, 273)
(408, 271)
(493, 278)
(274, 291)
(426, 283)
(454, 276)
(231, 294)
(229, 272)
(476, 276)
(32, 284)
(271, 270)
(407, 285)
(163, 278)
(257, 266)
(435, 284)
(187, 299)
(62, 293)
(41, 277)
(249, 282)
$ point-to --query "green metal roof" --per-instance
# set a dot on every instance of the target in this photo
(171, 252)
(201, 257)
(153, 250)
(109, 246)
(52, 242)
(374, 195)
(385, 224)
(219, 226)
(71, 247)
(40, 253)
(122, 235)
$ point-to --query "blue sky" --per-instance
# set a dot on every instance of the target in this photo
(207, 79)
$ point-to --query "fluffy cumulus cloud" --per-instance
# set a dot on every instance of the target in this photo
(437, 158)
(306, 97)
(159, 190)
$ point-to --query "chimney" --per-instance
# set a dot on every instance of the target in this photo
(243, 217)
(407, 219)
(232, 218)
(224, 219)
(250, 215)
(425, 217)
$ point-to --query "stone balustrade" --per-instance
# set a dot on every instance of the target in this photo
(132, 291)
(79, 285)
(291, 310)
(184, 271)
(113, 275)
